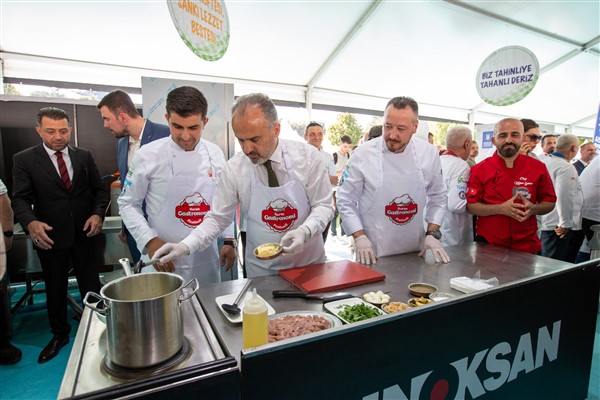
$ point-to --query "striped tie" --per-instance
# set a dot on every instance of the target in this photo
(62, 168)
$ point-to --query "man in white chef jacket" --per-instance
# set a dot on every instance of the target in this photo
(391, 185)
(313, 135)
(176, 177)
(290, 205)
(458, 224)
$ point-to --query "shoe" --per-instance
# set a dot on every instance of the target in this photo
(52, 349)
(9, 354)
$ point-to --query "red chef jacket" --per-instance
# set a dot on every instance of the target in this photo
(491, 182)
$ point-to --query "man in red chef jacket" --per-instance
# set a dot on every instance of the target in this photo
(507, 190)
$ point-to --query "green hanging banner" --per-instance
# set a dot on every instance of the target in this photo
(203, 26)
(507, 75)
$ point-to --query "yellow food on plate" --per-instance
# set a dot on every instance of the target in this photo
(395, 306)
(267, 250)
(421, 301)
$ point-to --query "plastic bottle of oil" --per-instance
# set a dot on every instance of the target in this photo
(255, 322)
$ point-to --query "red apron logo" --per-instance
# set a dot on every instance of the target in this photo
(192, 210)
(401, 210)
(279, 215)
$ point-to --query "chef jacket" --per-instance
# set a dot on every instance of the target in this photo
(235, 187)
(363, 182)
(590, 185)
(148, 181)
(491, 182)
(569, 196)
(458, 225)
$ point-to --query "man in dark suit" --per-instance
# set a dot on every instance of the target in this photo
(126, 124)
(59, 199)
(587, 152)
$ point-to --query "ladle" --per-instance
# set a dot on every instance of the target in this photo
(137, 267)
(233, 308)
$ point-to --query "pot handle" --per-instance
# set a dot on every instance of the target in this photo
(93, 307)
(186, 296)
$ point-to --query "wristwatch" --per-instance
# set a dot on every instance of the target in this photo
(8, 233)
(230, 242)
(436, 234)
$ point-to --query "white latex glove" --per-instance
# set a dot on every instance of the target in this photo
(364, 252)
(439, 254)
(293, 241)
(170, 251)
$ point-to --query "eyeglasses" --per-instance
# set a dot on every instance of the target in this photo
(534, 138)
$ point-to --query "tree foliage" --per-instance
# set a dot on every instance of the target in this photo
(439, 130)
(346, 124)
(11, 89)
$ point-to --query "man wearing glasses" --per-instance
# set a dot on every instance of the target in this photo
(531, 137)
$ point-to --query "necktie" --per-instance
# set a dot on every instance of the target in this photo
(273, 182)
(62, 168)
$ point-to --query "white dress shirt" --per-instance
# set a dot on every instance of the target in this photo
(590, 184)
(569, 196)
(66, 159)
(134, 146)
(234, 188)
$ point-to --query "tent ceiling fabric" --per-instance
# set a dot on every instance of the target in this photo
(351, 53)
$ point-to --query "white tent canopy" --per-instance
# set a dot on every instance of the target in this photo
(343, 53)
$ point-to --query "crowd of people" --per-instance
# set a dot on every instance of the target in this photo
(394, 193)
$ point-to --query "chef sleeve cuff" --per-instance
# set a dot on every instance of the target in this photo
(192, 242)
(352, 224)
(146, 237)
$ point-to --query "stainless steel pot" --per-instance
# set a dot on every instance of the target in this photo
(143, 317)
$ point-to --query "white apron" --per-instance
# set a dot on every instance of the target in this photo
(272, 212)
(394, 220)
(188, 200)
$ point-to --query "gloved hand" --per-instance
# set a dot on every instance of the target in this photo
(439, 254)
(170, 251)
(293, 241)
(364, 251)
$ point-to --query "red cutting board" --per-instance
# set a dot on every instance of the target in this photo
(329, 276)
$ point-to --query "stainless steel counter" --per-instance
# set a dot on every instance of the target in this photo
(466, 260)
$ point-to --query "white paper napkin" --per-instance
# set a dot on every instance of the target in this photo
(468, 285)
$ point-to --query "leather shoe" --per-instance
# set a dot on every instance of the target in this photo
(52, 349)
(9, 354)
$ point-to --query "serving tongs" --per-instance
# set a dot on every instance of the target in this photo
(137, 267)
(312, 296)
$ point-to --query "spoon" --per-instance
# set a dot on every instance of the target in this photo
(233, 308)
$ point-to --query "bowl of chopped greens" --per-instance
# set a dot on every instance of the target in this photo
(353, 310)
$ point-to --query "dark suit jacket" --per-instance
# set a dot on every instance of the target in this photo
(579, 166)
(37, 183)
(152, 131)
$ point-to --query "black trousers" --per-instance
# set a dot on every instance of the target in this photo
(5, 315)
(56, 265)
